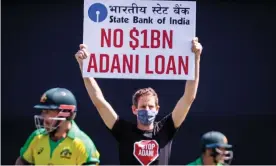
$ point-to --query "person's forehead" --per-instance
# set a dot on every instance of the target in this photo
(146, 99)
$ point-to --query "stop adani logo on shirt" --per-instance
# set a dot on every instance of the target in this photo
(146, 151)
(136, 39)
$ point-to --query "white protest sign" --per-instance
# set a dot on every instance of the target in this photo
(135, 39)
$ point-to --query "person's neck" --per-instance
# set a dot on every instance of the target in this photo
(62, 132)
(144, 127)
(208, 160)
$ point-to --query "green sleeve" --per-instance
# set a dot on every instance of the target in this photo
(192, 163)
(92, 154)
(26, 150)
(196, 162)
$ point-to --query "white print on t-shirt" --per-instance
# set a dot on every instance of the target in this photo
(146, 151)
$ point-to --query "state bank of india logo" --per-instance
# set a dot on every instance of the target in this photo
(97, 12)
(146, 151)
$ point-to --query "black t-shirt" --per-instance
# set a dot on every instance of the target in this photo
(137, 147)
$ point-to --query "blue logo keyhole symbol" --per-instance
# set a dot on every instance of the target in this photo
(97, 12)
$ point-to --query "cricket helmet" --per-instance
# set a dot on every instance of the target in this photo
(215, 140)
(59, 99)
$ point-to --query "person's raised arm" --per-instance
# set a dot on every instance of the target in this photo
(185, 102)
(105, 110)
